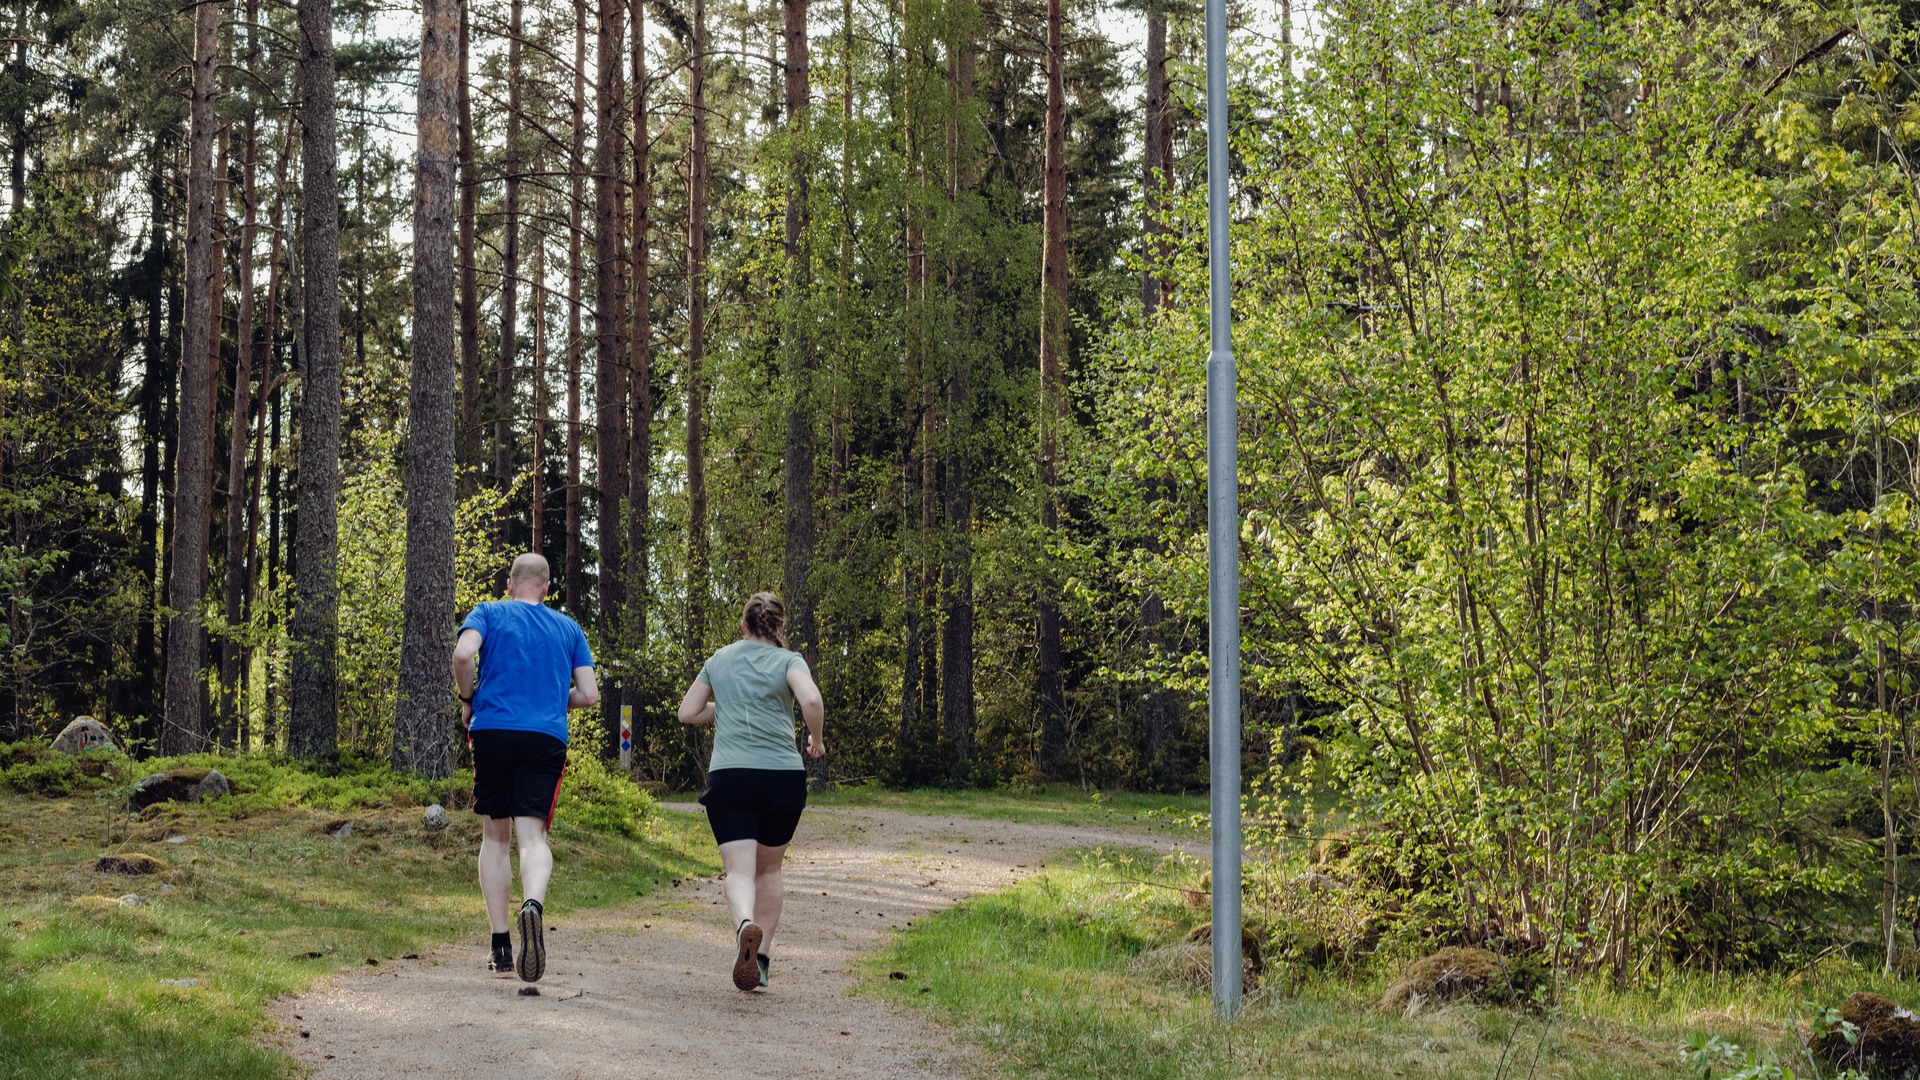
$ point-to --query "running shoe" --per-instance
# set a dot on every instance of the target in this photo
(533, 943)
(761, 959)
(502, 959)
(746, 970)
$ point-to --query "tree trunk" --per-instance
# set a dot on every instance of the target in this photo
(956, 573)
(538, 449)
(799, 340)
(610, 355)
(471, 425)
(640, 345)
(185, 730)
(1156, 710)
(1053, 349)
(425, 702)
(231, 655)
(509, 288)
(571, 581)
(697, 557)
(314, 627)
(145, 701)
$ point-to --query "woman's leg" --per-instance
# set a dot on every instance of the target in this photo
(737, 859)
(769, 891)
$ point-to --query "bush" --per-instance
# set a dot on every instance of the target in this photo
(600, 798)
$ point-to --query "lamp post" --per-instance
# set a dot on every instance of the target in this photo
(1223, 541)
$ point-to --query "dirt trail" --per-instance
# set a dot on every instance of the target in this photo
(643, 991)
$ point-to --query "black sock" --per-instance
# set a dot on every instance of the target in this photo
(503, 941)
(536, 905)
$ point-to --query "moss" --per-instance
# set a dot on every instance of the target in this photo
(1885, 1041)
(132, 864)
(1469, 974)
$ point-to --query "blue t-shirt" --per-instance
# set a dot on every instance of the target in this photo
(527, 656)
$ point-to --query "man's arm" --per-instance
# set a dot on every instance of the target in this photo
(812, 709)
(586, 692)
(464, 652)
(697, 707)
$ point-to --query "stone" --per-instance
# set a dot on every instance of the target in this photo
(1886, 1038)
(435, 819)
(82, 736)
(181, 984)
(1467, 974)
(179, 785)
(131, 900)
(132, 864)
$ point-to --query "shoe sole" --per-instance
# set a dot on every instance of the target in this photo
(533, 946)
(746, 970)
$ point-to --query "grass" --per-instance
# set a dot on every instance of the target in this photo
(259, 899)
(1077, 973)
(1068, 806)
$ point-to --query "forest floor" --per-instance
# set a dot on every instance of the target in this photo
(645, 990)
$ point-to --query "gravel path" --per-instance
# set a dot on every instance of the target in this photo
(643, 991)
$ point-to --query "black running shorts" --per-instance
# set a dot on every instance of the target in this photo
(516, 773)
(755, 804)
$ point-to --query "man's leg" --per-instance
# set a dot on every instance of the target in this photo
(536, 859)
(769, 891)
(496, 871)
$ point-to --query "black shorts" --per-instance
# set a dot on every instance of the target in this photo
(516, 773)
(755, 804)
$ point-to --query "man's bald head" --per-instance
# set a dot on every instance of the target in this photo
(530, 568)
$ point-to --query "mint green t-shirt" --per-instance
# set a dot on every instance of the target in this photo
(753, 706)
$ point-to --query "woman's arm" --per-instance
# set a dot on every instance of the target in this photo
(697, 707)
(812, 708)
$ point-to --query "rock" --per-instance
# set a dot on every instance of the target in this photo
(83, 735)
(183, 984)
(132, 864)
(1457, 974)
(435, 819)
(131, 900)
(1886, 1039)
(179, 785)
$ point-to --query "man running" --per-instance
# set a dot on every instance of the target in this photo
(534, 665)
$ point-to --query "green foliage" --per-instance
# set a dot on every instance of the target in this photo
(598, 797)
(1534, 506)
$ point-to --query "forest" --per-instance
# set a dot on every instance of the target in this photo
(1579, 418)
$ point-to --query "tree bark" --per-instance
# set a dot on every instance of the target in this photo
(1156, 710)
(697, 552)
(956, 574)
(146, 651)
(471, 430)
(538, 449)
(1053, 348)
(425, 702)
(640, 345)
(231, 655)
(799, 346)
(610, 355)
(509, 286)
(314, 628)
(185, 730)
(571, 581)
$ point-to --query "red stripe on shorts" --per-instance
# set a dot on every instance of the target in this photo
(556, 797)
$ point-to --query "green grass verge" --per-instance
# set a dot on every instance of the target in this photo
(260, 899)
(1069, 806)
(1079, 973)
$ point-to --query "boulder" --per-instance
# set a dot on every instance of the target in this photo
(1886, 1038)
(83, 735)
(179, 785)
(132, 864)
(435, 819)
(1467, 974)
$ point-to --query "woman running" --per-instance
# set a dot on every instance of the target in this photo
(757, 782)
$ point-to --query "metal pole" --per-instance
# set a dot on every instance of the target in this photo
(1223, 541)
